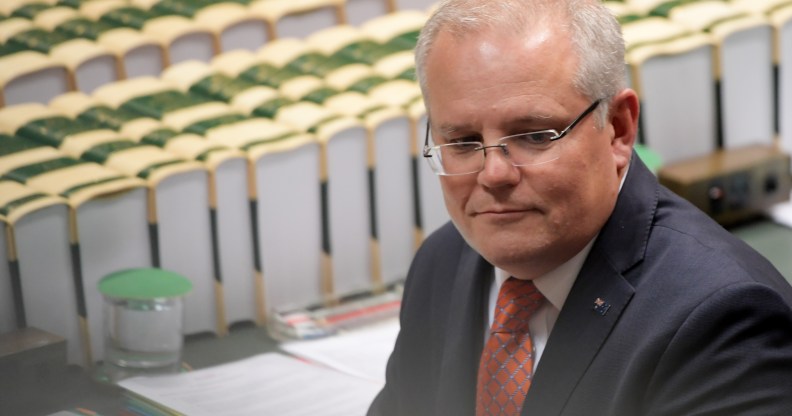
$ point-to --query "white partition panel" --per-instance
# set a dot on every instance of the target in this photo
(677, 90)
(783, 21)
(31, 77)
(146, 60)
(432, 206)
(412, 4)
(349, 214)
(198, 46)
(394, 198)
(361, 11)
(290, 226)
(185, 243)
(113, 233)
(235, 240)
(46, 271)
(747, 88)
(8, 318)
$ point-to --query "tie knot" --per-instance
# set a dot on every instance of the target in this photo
(517, 301)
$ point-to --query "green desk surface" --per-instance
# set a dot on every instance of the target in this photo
(773, 240)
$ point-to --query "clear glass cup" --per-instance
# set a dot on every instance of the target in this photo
(143, 323)
(144, 334)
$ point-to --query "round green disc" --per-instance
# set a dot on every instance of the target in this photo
(144, 283)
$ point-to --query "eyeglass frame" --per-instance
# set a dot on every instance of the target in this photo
(558, 136)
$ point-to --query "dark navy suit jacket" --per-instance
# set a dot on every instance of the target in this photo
(693, 322)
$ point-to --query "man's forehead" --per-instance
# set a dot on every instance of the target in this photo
(501, 65)
(501, 50)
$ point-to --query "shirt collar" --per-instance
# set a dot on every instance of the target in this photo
(556, 284)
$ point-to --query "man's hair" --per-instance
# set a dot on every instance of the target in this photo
(593, 30)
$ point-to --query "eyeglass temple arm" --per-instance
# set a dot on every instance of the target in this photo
(426, 147)
(580, 118)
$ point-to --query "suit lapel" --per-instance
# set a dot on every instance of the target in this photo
(599, 296)
(464, 336)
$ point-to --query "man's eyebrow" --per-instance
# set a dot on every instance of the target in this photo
(527, 119)
(448, 129)
(532, 118)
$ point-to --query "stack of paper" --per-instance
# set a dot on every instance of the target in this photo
(782, 213)
(363, 353)
(266, 384)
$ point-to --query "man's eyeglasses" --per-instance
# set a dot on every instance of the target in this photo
(532, 148)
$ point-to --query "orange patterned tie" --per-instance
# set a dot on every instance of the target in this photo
(506, 367)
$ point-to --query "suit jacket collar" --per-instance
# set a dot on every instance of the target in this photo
(629, 225)
(598, 297)
(464, 335)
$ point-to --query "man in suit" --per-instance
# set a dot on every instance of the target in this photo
(647, 306)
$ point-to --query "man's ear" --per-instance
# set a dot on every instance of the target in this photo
(623, 118)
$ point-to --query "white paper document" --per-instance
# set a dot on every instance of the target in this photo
(782, 213)
(363, 352)
(266, 384)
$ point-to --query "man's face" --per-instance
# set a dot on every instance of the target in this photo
(526, 220)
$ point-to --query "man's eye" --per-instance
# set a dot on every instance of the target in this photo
(474, 141)
(463, 147)
(537, 139)
(467, 145)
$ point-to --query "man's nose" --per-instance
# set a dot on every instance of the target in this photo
(498, 168)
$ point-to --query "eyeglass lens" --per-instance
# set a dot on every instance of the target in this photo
(524, 149)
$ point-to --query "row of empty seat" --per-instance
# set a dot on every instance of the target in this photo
(710, 74)
(273, 179)
(61, 46)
